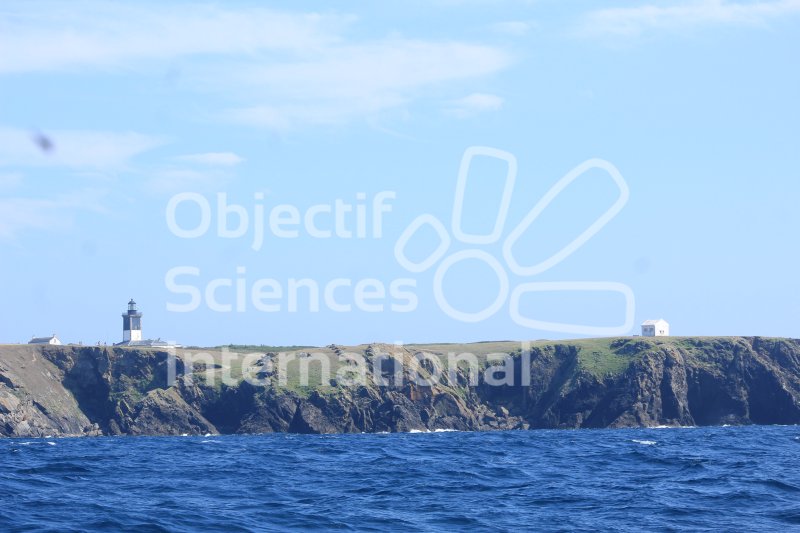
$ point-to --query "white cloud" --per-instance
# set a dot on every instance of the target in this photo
(276, 69)
(634, 21)
(477, 3)
(73, 148)
(56, 36)
(9, 180)
(475, 103)
(515, 28)
(18, 215)
(224, 159)
(352, 80)
(286, 116)
(173, 180)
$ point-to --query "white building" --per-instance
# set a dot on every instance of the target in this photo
(655, 328)
(52, 340)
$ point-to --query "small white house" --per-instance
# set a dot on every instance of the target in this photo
(655, 328)
(53, 340)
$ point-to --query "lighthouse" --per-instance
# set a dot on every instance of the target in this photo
(131, 324)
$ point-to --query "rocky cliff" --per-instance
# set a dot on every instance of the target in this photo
(594, 383)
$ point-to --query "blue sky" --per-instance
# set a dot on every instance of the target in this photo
(695, 102)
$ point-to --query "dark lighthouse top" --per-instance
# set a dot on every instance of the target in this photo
(132, 320)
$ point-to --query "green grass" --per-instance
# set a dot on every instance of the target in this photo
(480, 349)
(595, 356)
(230, 367)
(705, 351)
(599, 358)
(250, 348)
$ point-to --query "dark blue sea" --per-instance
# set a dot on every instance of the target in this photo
(698, 479)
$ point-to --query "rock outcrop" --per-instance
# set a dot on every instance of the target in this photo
(626, 382)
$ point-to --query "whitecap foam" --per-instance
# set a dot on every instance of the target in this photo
(419, 431)
(445, 430)
(645, 442)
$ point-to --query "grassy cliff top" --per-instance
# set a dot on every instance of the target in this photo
(600, 357)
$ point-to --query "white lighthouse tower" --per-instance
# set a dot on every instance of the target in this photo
(131, 324)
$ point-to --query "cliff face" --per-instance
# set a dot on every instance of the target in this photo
(53, 391)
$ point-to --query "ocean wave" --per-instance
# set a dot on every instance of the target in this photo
(711, 479)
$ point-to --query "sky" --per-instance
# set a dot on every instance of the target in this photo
(438, 171)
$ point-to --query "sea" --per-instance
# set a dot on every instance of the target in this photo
(660, 479)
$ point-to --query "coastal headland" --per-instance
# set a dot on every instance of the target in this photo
(588, 383)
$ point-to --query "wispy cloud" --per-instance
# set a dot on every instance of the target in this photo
(224, 159)
(275, 69)
(477, 3)
(173, 180)
(81, 34)
(9, 180)
(72, 154)
(475, 103)
(360, 80)
(193, 172)
(515, 28)
(633, 21)
(18, 215)
(74, 148)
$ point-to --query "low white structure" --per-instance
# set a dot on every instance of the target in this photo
(655, 328)
(52, 339)
(150, 343)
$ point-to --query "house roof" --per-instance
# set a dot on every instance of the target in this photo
(654, 322)
(42, 340)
